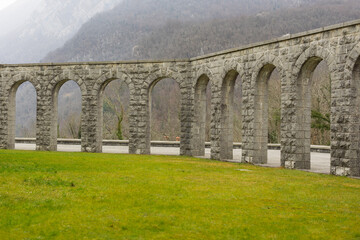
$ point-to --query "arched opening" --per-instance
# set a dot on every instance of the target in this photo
(201, 130)
(67, 109)
(356, 79)
(22, 115)
(274, 107)
(164, 112)
(237, 119)
(114, 101)
(313, 111)
(228, 124)
(267, 115)
(321, 104)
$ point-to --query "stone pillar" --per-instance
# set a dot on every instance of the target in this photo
(261, 109)
(139, 140)
(186, 113)
(11, 115)
(99, 98)
(296, 122)
(3, 119)
(46, 122)
(215, 125)
(248, 115)
(90, 118)
(345, 115)
(227, 116)
(3, 114)
(52, 112)
(350, 164)
(288, 122)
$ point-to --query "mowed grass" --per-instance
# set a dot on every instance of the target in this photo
(47, 195)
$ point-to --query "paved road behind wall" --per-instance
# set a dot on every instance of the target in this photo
(320, 162)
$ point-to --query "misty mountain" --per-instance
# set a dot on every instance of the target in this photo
(32, 28)
(119, 34)
(15, 15)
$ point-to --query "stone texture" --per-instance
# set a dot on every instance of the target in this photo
(295, 57)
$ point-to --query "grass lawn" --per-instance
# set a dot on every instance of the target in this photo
(102, 196)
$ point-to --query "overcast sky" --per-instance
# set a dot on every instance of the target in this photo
(5, 3)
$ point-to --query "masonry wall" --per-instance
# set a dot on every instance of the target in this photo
(295, 57)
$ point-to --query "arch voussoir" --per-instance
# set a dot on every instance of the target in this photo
(352, 59)
(311, 52)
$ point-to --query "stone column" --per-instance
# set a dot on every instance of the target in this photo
(139, 140)
(11, 115)
(99, 98)
(46, 122)
(90, 117)
(350, 164)
(288, 122)
(215, 125)
(3, 113)
(248, 115)
(186, 116)
(227, 116)
(295, 115)
(345, 113)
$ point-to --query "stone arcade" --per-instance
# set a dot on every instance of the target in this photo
(295, 57)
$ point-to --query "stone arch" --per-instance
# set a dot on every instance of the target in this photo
(261, 113)
(351, 60)
(228, 77)
(231, 66)
(200, 72)
(147, 90)
(156, 77)
(351, 70)
(98, 91)
(204, 71)
(303, 70)
(202, 81)
(353, 73)
(261, 74)
(11, 89)
(59, 80)
(311, 58)
(152, 80)
(267, 60)
(21, 78)
(199, 124)
(54, 87)
(105, 79)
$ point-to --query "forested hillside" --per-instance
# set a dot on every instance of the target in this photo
(150, 29)
(186, 28)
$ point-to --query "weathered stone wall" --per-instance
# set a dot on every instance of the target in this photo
(294, 56)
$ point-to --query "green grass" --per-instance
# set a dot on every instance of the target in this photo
(102, 196)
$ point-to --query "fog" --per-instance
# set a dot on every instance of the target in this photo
(29, 29)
